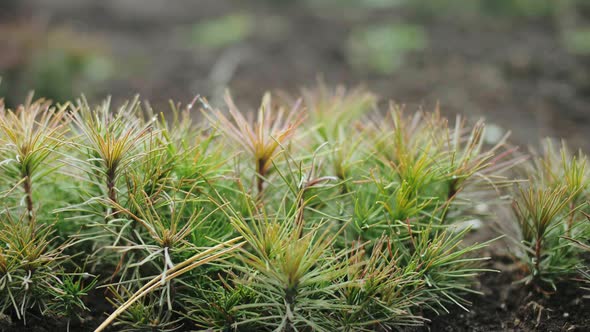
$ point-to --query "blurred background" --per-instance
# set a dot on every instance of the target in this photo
(524, 65)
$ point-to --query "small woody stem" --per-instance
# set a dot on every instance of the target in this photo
(28, 188)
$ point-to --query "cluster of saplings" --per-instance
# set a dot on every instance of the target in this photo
(320, 214)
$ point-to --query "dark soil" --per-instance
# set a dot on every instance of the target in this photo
(95, 301)
(510, 306)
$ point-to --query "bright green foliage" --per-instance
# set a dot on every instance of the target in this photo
(68, 294)
(36, 273)
(142, 316)
(323, 214)
(33, 276)
(379, 290)
(292, 273)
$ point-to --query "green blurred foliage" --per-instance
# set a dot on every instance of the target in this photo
(58, 64)
(55, 72)
(577, 41)
(383, 48)
(526, 8)
(223, 31)
(355, 3)
(456, 8)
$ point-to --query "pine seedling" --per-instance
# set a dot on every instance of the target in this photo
(407, 192)
(407, 146)
(445, 264)
(332, 115)
(407, 169)
(432, 257)
(311, 192)
(261, 138)
(547, 211)
(470, 163)
(167, 224)
(110, 142)
(205, 256)
(163, 150)
(401, 177)
(146, 315)
(212, 302)
(332, 112)
(182, 154)
(67, 294)
(32, 271)
(554, 168)
(32, 262)
(438, 162)
(541, 214)
(154, 174)
(29, 138)
(381, 293)
(166, 237)
(292, 275)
